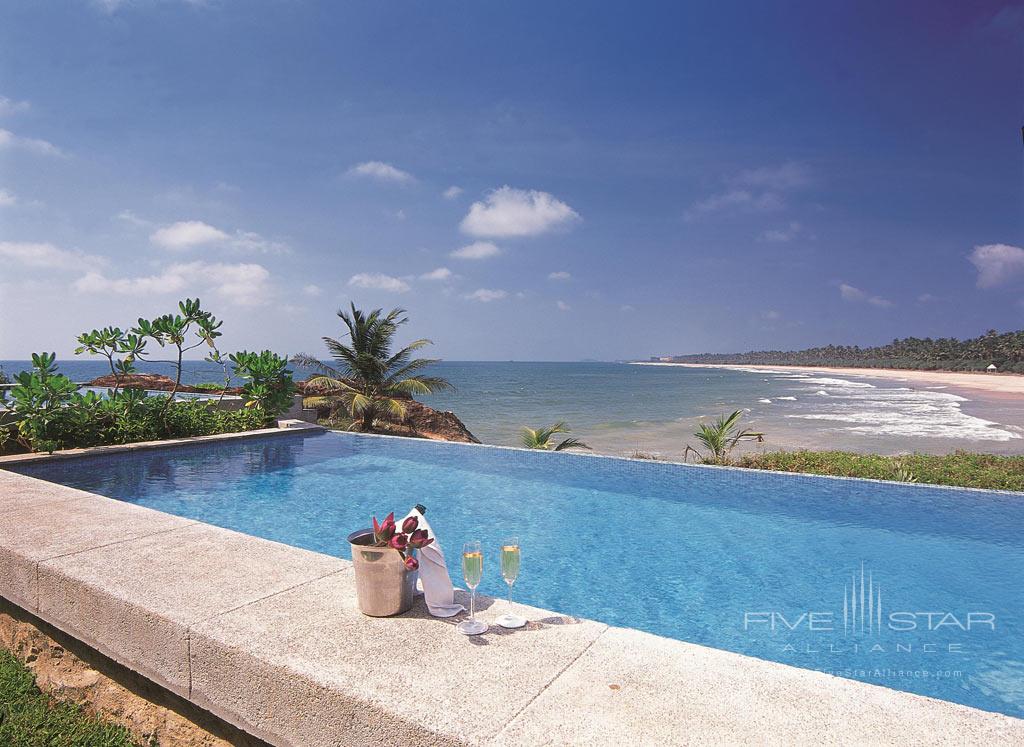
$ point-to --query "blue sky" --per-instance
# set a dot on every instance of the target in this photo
(532, 181)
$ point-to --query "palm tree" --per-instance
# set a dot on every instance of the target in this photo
(720, 438)
(541, 438)
(370, 380)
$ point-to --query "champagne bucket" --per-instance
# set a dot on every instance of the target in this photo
(384, 586)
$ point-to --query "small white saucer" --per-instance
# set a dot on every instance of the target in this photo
(471, 627)
(511, 621)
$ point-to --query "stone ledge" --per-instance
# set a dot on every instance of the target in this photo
(135, 600)
(633, 683)
(408, 679)
(268, 637)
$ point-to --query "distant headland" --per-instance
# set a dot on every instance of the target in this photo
(992, 352)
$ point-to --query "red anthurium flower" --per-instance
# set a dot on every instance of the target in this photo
(411, 563)
(419, 538)
(410, 524)
(387, 529)
(399, 542)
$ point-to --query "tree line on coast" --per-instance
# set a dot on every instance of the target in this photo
(1004, 350)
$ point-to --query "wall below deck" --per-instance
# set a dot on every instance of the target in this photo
(70, 670)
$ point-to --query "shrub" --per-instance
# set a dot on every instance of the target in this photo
(51, 414)
(962, 469)
(269, 385)
(208, 386)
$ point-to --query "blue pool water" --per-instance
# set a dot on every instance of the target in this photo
(763, 564)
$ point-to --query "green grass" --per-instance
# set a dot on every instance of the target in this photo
(30, 718)
(960, 469)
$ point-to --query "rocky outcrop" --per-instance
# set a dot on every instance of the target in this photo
(439, 425)
(421, 421)
(154, 382)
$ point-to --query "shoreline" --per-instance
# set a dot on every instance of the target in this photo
(998, 384)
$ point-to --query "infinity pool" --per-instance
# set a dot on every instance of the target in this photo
(911, 587)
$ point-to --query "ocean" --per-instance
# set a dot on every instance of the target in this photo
(619, 408)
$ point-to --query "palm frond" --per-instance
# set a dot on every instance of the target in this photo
(394, 407)
(359, 404)
(313, 363)
(571, 443)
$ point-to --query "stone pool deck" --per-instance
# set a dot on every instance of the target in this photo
(269, 638)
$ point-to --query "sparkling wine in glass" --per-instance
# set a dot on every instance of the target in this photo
(510, 572)
(472, 572)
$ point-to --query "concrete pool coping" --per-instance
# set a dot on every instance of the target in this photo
(269, 637)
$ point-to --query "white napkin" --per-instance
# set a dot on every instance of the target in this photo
(434, 582)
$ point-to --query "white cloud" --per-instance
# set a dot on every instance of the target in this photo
(517, 212)
(383, 172)
(378, 281)
(130, 217)
(241, 284)
(249, 241)
(112, 6)
(10, 106)
(849, 293)
(560, 275)
(771, 315)
(790, 232)
(34, 145)
(754, 190)
(477, 250)
(186, 234)
(452, 192)
(787, 176)
(31, 254)
(627, 308)
(486, 295)
(736, 198)
(441, 273)
(7, 198)
(312, 290)
(856, 295)
(926, 298)
(997, 263)
(562, 306)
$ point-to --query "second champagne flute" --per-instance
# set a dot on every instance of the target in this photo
(472, 572)
(510, 572)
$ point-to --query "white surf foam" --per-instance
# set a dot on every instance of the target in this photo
(907, 412)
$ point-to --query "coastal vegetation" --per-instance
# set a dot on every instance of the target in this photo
(369, 381)
(720, 438)
(960, 469)
(29, 717)
(544, 438)
(47, 412)
(1003, 350)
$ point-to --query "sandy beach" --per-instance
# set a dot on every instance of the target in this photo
(1011, 384)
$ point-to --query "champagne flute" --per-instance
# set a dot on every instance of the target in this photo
(510, 572)
(472, 572)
